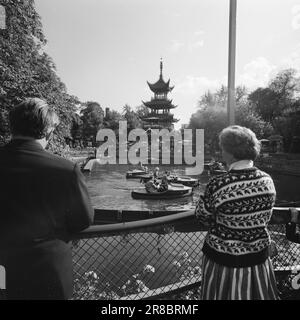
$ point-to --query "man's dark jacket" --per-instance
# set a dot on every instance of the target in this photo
(43, 199)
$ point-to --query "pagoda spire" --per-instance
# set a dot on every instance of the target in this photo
(161, 68)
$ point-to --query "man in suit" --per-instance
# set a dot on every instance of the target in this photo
(43, 199)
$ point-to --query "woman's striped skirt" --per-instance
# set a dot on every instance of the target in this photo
(228, 283)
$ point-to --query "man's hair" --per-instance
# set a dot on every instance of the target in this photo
(33, 118)
(241, 142)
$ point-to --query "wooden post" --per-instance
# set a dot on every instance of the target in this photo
(231, 63)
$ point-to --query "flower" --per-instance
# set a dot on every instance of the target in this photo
(176, 264)
(184, 255)
(148, 268)
(91, 274)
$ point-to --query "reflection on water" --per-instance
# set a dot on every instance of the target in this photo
(109, 189)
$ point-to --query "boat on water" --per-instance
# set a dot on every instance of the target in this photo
(186, 181)
(135, 174)
(174, 191)
(145, 177)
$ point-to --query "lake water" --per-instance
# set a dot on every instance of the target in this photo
(115, 259)
(109, 189)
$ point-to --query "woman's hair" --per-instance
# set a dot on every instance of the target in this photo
(239, 141)
(33, 118)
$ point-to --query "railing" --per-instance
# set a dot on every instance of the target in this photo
(160, 257)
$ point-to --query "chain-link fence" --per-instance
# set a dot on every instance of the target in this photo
(286, 264)
(158, 261)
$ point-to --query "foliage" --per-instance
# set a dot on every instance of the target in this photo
(142, 111)
(89, 286)
(136, 283)
(212, 120)
(26, 70)
(219, 98)
(184, 267)
(91, 121)
(76, 130)
(212, 116)
(92, 118)
(112, 119)
(286, 84)
(279, 95)
(279, 104)
(265, 102)
(132, 118)
(246, 116)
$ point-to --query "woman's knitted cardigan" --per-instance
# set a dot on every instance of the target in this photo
(237, 206)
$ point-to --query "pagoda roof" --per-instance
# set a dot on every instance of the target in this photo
(159, 104)
(160, 86)
(151, 118)
(165, 119)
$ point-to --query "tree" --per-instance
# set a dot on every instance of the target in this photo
(133, 120)
(246, 116)
(26, 70)
(219, 98)
(278, 104)
(265, 103)
(212, 120)
(212, 117)
(111, 120)
(142, 111)
(279, 95)
(76, 129)
(92, 120)
(286, 84)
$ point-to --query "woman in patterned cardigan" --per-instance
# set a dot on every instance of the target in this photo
(237, 207)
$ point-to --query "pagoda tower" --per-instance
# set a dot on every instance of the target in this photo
(159, 116)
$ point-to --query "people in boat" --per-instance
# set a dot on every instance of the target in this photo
(292, 233)
(151, 186)
(155, 173)
(155, 186)
(236, 248)
(163, 186)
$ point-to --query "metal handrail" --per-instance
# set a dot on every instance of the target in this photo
(114, 228)
(170, 223)
(187, 219)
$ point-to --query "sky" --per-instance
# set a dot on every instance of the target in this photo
(107, 50)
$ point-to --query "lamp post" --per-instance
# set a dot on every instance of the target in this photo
(231, 63)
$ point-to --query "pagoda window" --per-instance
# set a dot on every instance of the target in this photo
(160, 96)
